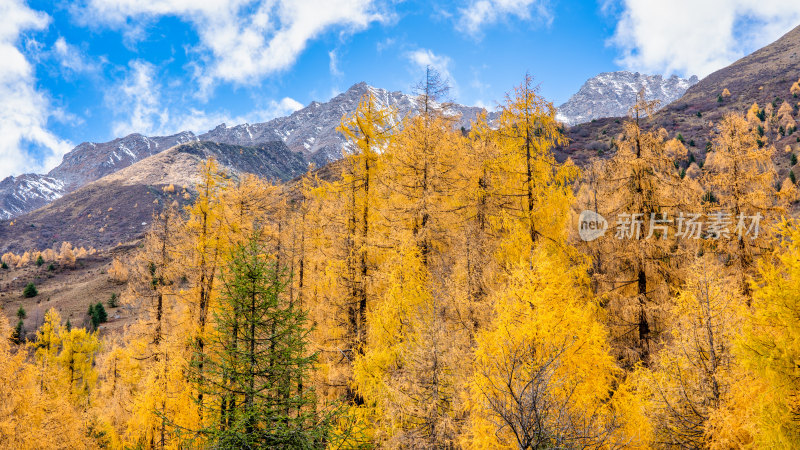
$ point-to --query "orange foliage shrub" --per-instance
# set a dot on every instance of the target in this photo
(118, 272)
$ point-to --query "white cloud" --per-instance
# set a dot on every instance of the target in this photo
(692, 37)
(242, 41)
(138, 99)
(423, 58)
(333, 65)
(71, 58)
(480, 13)
(139, 106)
(24, 110)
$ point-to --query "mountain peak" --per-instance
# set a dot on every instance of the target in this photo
(361, 86)
(611, 94)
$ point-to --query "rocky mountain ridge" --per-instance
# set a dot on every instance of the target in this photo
(610, 94)
(309, 132)
(119, 206)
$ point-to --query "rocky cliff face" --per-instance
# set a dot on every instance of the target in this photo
(309, 132)
(610, 94)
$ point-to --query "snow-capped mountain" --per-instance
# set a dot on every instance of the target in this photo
(611, 94)
(310, 132)
(24, 193)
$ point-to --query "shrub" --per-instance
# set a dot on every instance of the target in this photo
(118, 271)
(699, 114)
(51, 267)
(39, 261)
(30, 291)
(67, 255)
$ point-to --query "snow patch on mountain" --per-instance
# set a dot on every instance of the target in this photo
(611, 94)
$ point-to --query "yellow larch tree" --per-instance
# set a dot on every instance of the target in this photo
(77, 359)
(151, 365)
(741, 178)
(640, 193)
(795, 88)
(407, 373)
(474, 244)
(118, 374)
(544, 376)
(369, 131)
(768, 346)
(35, 411)
(786, 117)
(531, 179)
(337, 223)
(204, 249)
(753, 115)
(691, 378)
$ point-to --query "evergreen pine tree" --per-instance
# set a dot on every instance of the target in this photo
(258, 362)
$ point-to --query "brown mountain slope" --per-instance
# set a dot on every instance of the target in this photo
(70, 290)
(118, 207)
(764, 76)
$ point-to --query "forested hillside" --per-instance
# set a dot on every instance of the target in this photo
(437, 293)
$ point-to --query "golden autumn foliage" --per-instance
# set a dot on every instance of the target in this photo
(752, 114)
(66, 254)
(641, 187)
(768, 347)
(431, 292)
(543, 373)
(118, 272)
(741, 177)
(692, 377)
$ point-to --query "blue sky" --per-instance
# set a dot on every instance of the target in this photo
(97, 69)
